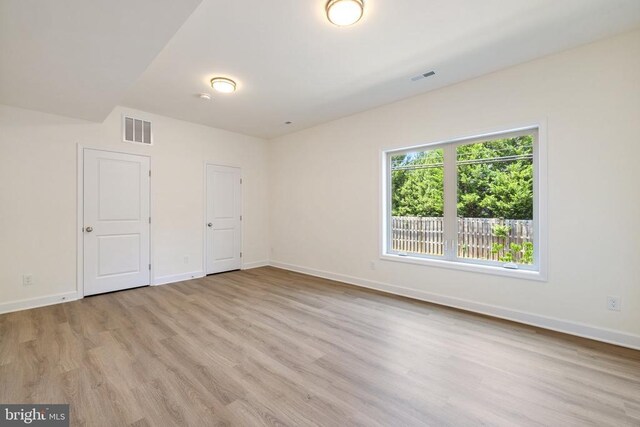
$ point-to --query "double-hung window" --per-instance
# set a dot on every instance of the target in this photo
(472, 204)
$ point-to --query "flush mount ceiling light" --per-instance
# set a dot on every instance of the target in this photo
(344, 12)
(223, 85)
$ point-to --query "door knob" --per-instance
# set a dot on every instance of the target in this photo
(209, 225)
(88, 229)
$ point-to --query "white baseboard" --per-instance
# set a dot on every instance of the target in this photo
(165, 280)
(8, 307)
(255, 264)
(610, 336)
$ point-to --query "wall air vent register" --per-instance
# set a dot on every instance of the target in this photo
(136, 130)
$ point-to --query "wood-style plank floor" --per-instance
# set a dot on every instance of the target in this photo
(270, 347)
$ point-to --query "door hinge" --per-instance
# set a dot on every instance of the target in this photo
(240, 217)
(149, 267)
(240, 180)
(149, 220)
(149, 172)
(240, 254)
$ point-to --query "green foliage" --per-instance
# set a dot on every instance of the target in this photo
(507, 257)
(495, 180)
(501, 230)
(527, 257)
(522, 254)
(418, 191)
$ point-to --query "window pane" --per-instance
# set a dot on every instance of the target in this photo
(495, 200)
(417, 202)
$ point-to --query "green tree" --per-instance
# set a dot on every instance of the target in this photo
(417, 181)
(495, 180)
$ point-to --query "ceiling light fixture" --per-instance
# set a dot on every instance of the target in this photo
(344, 12)
(223, 85)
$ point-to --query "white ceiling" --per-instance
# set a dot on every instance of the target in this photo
(289, 61)
(78, 57)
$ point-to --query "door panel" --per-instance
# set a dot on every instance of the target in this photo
(116, 221)
(223, 237)
(114, 203)
(223, 244)
(118, 254)
(223, 192)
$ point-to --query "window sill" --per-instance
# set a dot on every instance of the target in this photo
(463, 266)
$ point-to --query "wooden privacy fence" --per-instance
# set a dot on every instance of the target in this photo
(425, 235)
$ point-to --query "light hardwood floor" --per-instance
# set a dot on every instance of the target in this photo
(270, 347)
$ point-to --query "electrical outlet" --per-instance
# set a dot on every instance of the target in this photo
(372, 265)
(186, 259)
(27, 280)
(614, 303)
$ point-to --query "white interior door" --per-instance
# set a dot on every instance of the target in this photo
(223, 219)
(116, 221)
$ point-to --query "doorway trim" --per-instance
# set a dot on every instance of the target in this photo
(204, 212)
(80, 215)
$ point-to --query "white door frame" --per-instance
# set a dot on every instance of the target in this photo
(80, 216)
(204, 213)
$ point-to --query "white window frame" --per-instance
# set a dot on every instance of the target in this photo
(537, 271)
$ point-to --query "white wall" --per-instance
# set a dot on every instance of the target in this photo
(38, 197)
(324, 186)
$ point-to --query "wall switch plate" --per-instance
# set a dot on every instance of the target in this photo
(614, 303)
(27, 280)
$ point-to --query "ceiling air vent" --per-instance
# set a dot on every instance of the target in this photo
(136, 130)
(422, 76)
